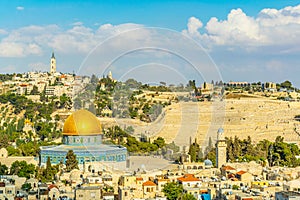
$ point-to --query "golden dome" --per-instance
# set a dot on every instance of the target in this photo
(82, 122)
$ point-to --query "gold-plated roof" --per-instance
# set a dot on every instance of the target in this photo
(82, 122)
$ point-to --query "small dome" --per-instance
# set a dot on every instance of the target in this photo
(82, 122)
(220, 130)
(208, 162)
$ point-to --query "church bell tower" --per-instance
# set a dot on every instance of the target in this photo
(52, 64)
(221, 148)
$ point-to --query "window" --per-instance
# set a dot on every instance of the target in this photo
(93, 195)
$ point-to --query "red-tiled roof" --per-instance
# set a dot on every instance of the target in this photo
(139, 178)
(231, 175)
(52, 186)
(228, 168)
(188, 178)
(241, 172)
(149, 183)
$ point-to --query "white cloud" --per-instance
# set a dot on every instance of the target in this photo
(11, 49)
(237, 28)
(20, 8)
(271, 27)
(30, 40)
(193, 25)
(77, 24)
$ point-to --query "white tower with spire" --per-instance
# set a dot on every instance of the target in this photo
(109, 75)
(52, 64)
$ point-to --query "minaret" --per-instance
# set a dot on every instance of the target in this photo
(52, 64)
(221, 148)
(110, 75)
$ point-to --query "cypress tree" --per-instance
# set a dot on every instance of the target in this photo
(71, 162)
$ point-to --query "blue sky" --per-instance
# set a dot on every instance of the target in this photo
(168, 14)
(245, 40)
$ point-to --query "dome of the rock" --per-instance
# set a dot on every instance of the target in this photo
(82, 133)
(82, 122)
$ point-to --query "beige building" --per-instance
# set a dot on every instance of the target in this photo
(7, 191)
(293, 185)
(3, 153)
(226, 170)
(160, 181)
(270, 86)
(3, 88)
(54, 192)
(127, 181)
(57, 90)
(87, 193)
(244, 176)
(149, 189)
(189, 180)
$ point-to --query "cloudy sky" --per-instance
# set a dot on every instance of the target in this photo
(152, 41)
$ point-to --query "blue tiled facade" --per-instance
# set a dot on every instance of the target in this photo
(87, 149)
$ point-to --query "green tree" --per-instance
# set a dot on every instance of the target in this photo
(286, 84)
(212, 156)
(26, 186)
(65, 101)
(48, 170)
(71, 162)
(173, 190)
(4, 139)
(29, 148)
(12, 151)
(159, 142)
(230, 155)
(3, 169)
(22, 169)
(194, 152)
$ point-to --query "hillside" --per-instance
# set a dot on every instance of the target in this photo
(260, 118)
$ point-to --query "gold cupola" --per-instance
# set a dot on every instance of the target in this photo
(82, 122)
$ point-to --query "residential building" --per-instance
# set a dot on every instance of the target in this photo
(149, 189)
(87, 193)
